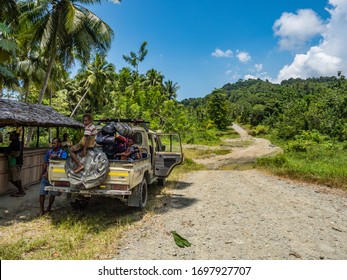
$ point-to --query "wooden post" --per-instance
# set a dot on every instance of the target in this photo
(37, 136)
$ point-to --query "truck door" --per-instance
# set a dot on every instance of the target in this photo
(167, 153)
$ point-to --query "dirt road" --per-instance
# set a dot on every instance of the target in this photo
(242, 215)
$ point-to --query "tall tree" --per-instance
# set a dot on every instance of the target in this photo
(219, 109)
(134, 59)
(8, 48)
(171, 89)
(66, 30)
(95, 79)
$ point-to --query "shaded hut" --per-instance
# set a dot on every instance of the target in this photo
(20, 114)
(15, 113)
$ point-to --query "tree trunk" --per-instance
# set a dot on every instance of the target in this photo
(78, 104)
(42, 93)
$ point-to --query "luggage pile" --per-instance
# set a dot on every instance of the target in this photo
(113, 137)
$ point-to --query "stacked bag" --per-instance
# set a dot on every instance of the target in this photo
(113, 138)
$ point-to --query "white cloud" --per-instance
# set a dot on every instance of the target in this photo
(262, 76)
(258, 67)
(220, 53)
(295, 30)
(243, 56)
(327, 58)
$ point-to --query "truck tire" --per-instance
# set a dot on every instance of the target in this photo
(144, 194)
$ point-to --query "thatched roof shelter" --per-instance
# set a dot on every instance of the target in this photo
(15, 113)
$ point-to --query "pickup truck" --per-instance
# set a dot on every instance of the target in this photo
(125, 180)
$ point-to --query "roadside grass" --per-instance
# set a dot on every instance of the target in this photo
(318, 163)
(69, 235)
(211, 137)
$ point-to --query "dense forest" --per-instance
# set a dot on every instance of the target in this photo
(41, 40)
(289, 110)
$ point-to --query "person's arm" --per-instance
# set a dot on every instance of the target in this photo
(126, 153)
(45, 164)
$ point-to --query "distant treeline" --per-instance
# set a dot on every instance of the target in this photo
(287, 109)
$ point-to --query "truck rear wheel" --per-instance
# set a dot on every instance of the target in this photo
(144, 194)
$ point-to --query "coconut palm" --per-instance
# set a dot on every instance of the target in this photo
(154, 78)
(170, 89)
(8, 11)
(8, 48)
(134, 59)
(95, 80)
(65, 30)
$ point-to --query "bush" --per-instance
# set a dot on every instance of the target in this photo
(297, 146)
(276, 161)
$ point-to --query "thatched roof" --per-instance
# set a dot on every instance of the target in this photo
(15, 113)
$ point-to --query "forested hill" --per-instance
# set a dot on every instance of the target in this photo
(289, 108)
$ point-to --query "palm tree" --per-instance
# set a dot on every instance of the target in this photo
(135, 59)
(154, 78)
(95, 79)
(8, 11)
(8, 48)
(65, 30)
(170, 89)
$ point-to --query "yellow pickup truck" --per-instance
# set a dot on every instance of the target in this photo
(126, 180)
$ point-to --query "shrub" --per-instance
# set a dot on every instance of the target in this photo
(276, 161)
(297, 146)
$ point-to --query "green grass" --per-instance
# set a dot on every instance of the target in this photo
(320, 163)
(210, 137)
(68, 235)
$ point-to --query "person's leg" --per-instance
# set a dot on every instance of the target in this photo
(73, 155)
(19, 186)
(43, 193)
(42, 205)
(50, 203)
(16, 180)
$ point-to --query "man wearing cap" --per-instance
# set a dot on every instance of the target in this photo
(15, 162)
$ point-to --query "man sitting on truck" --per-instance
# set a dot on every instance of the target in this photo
(88, 141)
(131, 153)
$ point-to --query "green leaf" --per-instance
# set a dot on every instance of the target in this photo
(180, 241)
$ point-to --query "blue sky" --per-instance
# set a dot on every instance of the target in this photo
(204, 44)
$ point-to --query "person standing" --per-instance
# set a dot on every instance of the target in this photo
(15, 161)
(88, 141)
(56, 152)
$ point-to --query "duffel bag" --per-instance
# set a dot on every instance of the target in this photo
(124, 129)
